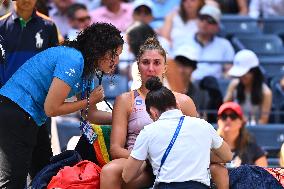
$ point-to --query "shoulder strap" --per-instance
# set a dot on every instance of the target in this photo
(171, 143)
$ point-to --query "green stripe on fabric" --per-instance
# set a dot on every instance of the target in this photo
(106, 129)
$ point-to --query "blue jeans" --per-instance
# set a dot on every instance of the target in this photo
(183, 185)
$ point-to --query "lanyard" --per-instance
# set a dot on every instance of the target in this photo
(85, 125)
(100, 75)
(171, 143)
(86, 94)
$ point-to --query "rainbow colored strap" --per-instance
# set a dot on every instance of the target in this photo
(100, 146)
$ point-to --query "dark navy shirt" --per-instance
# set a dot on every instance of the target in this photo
(22, 41)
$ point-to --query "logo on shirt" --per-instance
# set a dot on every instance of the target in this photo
(138, 102)
(2, 51)
(71, 72)
(39, 39)
(77, 85)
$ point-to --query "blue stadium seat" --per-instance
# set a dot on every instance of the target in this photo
(277, 115)
(262, 45)
(278, 93)
(236, 24)
(270, 137)
(272, 65)
(273, 24)
(273, 162)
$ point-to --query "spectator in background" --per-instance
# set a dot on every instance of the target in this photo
(5, 7)
(205, 94)
(183, 22)
(210, 46)
(42, 7)
(115, 12)
(58, 14)
(232, 127)
(215, 98)
(161, 9)
(25, 33)
(249, 88)
(277, 88)
(79, 19)
(233, 6)
(186, 58)
(142, 11)
(91, 4)
(265, 8)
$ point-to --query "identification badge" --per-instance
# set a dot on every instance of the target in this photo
(88, 131)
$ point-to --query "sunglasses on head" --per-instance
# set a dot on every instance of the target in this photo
(232, 116)
(208, 19)
(83, 19)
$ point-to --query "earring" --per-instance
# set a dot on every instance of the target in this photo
(163, 75)
(139, 76)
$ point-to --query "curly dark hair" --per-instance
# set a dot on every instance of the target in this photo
(94, 42)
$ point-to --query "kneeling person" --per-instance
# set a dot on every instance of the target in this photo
(186, 164)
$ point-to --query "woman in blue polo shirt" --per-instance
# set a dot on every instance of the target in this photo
(39, 89)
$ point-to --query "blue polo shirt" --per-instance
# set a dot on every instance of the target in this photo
(22, 41)
(29, 86)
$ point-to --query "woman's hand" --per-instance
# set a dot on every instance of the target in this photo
(97, 95)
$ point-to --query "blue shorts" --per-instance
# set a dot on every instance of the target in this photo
(183, 185)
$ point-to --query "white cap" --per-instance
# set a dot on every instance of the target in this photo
(147, 3)
(244, 60)
(187, 52)
(212, 11)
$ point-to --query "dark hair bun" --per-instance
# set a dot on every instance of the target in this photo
(154, 83)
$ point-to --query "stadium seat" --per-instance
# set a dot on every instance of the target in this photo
(262, 45)
(270, 137)
(273, 162)
(277, 116)
(277, 91)
(236, 24)
(273, 24)
(272, 65)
